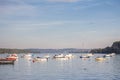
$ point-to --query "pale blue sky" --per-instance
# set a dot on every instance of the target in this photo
(59, 23)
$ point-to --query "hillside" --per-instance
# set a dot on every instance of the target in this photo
(115, 48)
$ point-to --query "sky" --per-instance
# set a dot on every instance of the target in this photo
(59, 23)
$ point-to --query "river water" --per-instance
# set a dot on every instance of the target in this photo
(72, 69)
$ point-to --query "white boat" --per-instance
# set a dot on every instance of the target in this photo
(99, 59)
(112, 54)
(27, 56)
(40, 59)
(107, 55)
(59, 56)
(69, 56)
(90, 54)
(63, 58)
(47, 56)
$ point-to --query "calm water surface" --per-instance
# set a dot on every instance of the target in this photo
(72, 69)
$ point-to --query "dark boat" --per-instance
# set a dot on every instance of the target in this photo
(84, 56)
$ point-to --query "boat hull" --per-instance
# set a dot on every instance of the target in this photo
(99, 59)
(40, 59)
(6, 61)
(84, 57)
(11, 59)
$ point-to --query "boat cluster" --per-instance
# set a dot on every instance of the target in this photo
(69, 56)
(59, 56)
(104, 57)
(13, 57)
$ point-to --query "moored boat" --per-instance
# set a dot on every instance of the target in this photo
(84, 56)
(107, 55)
(69, 56)
(12, 57)
(59, 56)
(99, 59)
(90, 54)
(47, 56)
(6, 61)
(112, 54)
(62, 59)
(40, 59)
(27, 56)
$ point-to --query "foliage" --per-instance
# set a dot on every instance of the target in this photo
(67, 50)
(3, 50)
(115, 48)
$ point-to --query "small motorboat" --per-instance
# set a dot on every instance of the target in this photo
(27, 56)
(62, 59)
(47, 56)
(84, 56)
(99, 59)
(40, 59)
(6, 61)
(12, 57)
(69, 56)
(112, 54)
(59, 56)
(90, 54)
(107, 55)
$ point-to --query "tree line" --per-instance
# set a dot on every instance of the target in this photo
(66, 50)
(4, 50)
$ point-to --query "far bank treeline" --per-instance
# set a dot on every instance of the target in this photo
(67, 50)
(4, 50)
(115, 48)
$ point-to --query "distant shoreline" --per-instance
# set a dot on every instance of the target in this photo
(66, 50)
